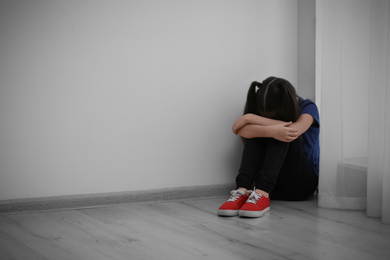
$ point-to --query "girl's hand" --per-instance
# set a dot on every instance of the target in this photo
(240, 123)
(283, 132)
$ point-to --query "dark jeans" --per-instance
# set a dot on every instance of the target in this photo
(278, 168)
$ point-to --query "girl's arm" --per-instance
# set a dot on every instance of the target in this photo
(253, 119)
(282, 131)
(303, 123)
(285, 132)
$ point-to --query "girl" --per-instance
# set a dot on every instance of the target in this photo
(281, 149)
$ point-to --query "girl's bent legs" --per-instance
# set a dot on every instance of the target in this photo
(274, 158)
(261, 161)
(252, 158)
(297, 179)
(278, 168)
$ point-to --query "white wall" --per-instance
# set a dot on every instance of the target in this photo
(306, 48)
(106, 96)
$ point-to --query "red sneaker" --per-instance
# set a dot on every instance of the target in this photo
(256, 206)
(233, 204)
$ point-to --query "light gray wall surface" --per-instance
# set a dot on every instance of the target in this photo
(107, 96)
(306, 48)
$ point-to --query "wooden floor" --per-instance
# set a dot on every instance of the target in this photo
(190, 229)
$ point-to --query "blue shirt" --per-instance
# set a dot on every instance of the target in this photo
(311, 138)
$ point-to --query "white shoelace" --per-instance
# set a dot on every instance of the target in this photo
(254, 198)
(234, 195)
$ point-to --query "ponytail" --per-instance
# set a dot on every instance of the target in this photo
(251, 100)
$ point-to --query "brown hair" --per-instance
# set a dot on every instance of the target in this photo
(274, 98)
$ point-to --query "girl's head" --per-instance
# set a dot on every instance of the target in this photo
(273, 98)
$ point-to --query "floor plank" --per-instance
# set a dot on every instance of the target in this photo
(10, 248)
(191, 229)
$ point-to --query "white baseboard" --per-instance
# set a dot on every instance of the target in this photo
(109, 199)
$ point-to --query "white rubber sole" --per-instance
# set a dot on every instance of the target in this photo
(253, 214)
(227, 213)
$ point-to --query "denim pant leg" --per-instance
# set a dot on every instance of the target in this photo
(261, 161)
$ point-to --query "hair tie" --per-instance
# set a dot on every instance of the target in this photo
(257, 86)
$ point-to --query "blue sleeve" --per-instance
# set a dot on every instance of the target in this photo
(311, 140)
